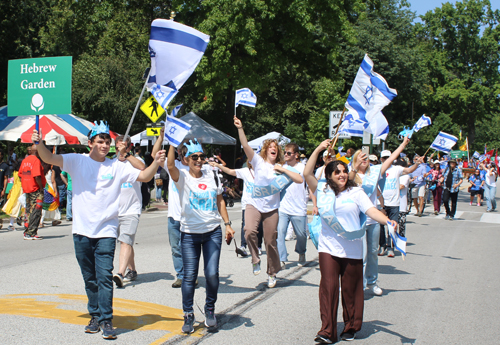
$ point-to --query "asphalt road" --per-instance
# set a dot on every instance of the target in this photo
(445, 292)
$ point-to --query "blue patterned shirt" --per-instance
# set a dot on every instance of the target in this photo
(457, 176)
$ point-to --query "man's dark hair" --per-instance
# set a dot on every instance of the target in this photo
(102, 136)
(293, 146)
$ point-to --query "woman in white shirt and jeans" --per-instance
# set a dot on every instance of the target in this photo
(265, 209)
(202, 205)
(338, 256)
(490, 187)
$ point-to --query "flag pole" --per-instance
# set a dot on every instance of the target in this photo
(468, 159)
(136, 107)
(337, 134)
(425, 154)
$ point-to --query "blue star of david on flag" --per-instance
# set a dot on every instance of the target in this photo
(245, 97)
(444, 142)
(176, 130)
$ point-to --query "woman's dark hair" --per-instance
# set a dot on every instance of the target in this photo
(330, 169)
(401, 162)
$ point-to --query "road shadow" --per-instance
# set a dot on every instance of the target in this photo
(368, 295)
(388, 269)
(451, 258)
(52, 237)
(376, 326)
(228, 322)
(148, 277)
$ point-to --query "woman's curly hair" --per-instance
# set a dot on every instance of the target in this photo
(329, 170)
(265, 147)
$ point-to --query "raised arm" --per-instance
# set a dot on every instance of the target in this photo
(309, 169)
(44, 153)
(147, 174)
(414, 167)
(224, 169)
(172, 169)
(388, 162)
(159, 142)
(243, 139)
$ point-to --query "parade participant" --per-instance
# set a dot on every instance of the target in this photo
(391, 195)
(4, 176)
(490, 187)
(246, 174)
(174, 209)
(435, 175)
(202, 209)
(367, 177)
(293, 208)
(404, 183)
(97, 185)
(264, 209)
(69, 195)
(13, 207)
(418, 191)
(51, 198)
(340, 204)
(33, 182)
(129, 213)
(451, 180)
(476, 188)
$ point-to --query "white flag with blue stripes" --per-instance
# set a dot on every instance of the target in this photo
(444, 142)
(176, 110)
(245, 97)
(352, 127)
(175, 50)
(378, 126)
(424, 121)
(176, 130)
(369, 94)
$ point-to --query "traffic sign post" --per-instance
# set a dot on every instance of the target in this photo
(152, 109)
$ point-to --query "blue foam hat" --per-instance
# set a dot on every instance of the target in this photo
(96, 129)
(193, 147)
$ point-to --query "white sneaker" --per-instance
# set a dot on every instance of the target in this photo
(302, 259)
(376, 290)
(260, 251)
(289, 238)
(271, 282)
(283, 265)
(256, 268)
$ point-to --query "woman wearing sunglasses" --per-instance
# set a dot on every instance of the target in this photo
(340, 247)
(202, 209)
(266, 164)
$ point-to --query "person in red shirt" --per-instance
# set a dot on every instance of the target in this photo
(33, 183)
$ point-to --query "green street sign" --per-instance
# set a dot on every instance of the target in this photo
(40, 86)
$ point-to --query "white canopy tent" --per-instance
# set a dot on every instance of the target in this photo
(282, 140)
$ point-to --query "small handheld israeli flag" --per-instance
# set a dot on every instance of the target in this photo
(245, 97)
(424, 121)
(444, 142)
(475, 155)
(398, 240)
(176, 130)
(176, 110)
(481, 158)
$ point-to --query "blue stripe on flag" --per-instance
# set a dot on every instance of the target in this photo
(385, 131)
(252, 104)
(352, 131)
(172, 140)
(167, 99)
(447, 136)
(356, 106)
(178, 37)
(440, 148)
(365, 66)
(379, 83)
(179, 123)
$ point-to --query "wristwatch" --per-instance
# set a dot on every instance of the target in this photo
(228, 223)
(128, 155)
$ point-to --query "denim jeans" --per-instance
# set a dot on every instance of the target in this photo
(259, 235)
(174, 237)
(489, 193)
(370, 257)
(95, 257)
(192, 246)
(62, 196)
(299, 224)
(159, 189)
(69, 205)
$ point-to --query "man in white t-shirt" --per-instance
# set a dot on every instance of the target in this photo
(293, 208)
(128, 217)
(391, 195)
(97, 184)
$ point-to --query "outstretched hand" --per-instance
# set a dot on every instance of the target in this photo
(160, 157)
(237, 122)
(324, 145)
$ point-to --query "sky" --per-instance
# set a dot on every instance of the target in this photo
(422, 6)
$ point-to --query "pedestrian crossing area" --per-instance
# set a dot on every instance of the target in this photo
(471, 216)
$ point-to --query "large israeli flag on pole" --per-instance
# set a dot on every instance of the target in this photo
(176, 130)
(444, 142)
(175, 50)
(351, 127)
(369, 94)
(424, 121)
(245, 97)
(378, 126)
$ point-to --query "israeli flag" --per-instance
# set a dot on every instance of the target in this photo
(245, 97)
(175, 50)
(398, 240)
(351, 127)
(176, 130)
(481, 158)
(369, 94)
(424, 121)
(176, 110)
(444, 142)
(378, 126)
(475, 155)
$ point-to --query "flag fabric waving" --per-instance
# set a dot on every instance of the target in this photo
(175, 50)
(369, 94)
(444, 142)
(378, 126)
(475, 155)
(176, 110)
(465, 146)
(176, 130)
(246, 97)
(424, 121)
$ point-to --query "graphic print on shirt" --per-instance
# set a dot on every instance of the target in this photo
(127, 185)
(203, 201)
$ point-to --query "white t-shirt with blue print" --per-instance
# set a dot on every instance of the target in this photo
(131, 196)
(391, 188)
(198, 200)
(174, 204)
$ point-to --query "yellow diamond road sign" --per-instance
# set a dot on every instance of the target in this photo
(152, 109)
(153, 131)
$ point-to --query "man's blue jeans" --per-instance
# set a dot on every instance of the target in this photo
(299, 226)
(95, 257)
(174, 237)
(370, 257)
(69, 205)
(62, 196)
(192, 247)
(489, 193)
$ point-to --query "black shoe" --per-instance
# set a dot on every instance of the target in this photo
(188, 326)
(322, 340)
(108, 332)
(93, 326)
(118, 279)
(210, 320)
(348, 336)
(130, 276)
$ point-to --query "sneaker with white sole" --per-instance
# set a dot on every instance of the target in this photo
(11, 228)
(283, 265)
(390, 253)
(271, 282)
(210, 319)
(256, 268)
(381, 251)
(118, 279)
(302, 259)
(348, 336)
(108, 332)
(188, 326)
(376, 290)
(260, 251)
(93, 326)
(130, 276)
